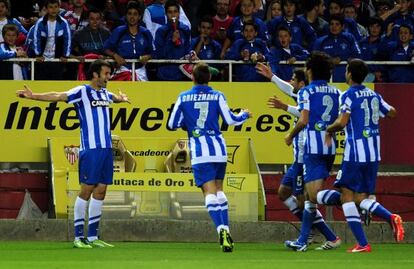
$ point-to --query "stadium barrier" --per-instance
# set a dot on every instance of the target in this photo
(148, 191)
(229, 63)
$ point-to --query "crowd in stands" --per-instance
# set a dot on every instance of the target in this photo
(246, 30)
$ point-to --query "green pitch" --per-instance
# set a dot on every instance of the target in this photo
(45, 255)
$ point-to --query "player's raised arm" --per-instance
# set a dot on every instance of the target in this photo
(26, 92)
(231, 118)
(266, 71)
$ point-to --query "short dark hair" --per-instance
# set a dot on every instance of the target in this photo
(250, 23)
(96, 67)
(350, 5)
(300, 75)
(283, 28)
(95, 10)
(207, 19)
(9, 27)
(137, 6)
(337, 17)
(375, 20)
(201, 73)
(338, 2)
(406, 25)
(320, 64)
(358, 70)
(309, 5)
(47, 2)
(171, 3)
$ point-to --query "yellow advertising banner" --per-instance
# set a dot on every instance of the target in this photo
(25, 125)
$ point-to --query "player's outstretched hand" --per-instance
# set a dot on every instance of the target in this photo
(328, 139)
(248, 112)
(288, 140)
(123, 97)
(264, 70)
(26, 92)
(275, 102)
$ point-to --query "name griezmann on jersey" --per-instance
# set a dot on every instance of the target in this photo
(200, 97)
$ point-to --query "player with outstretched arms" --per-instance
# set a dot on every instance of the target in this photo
(197, 111)
(95, 157)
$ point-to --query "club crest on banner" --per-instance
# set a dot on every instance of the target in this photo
(71, 153)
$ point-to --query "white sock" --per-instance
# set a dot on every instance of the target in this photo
(95, 211)
(79, 215)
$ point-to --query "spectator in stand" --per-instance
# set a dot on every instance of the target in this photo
(235, 30)
(273, 10)
(385, 8)
(401, 50)
(249, 49)
(204, 46)
(371, 48)
(111, 17)
(172, 41)
(314, 10)
(52, 39)
(155, 16)
(351, 13)
(222, 21)
(289, 52)
(76, 15)
(8, 50)
(29, 42)
(403, 16)
(302, 33)
(90, 39)
(130, 41)
(336, 7)
(6, 19)
(339, 45)
(259, 9)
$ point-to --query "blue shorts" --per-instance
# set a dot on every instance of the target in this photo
(204, 172)
(358, 177)
(294, 178)
(316, 166)
(96, 166)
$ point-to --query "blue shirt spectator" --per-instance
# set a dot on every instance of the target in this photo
(287, 51)
(204, 46)
(339, 45)
(401, 17)
(401, 50)
(172, 41)
(249, 49)
(302, 33)
(130, 41)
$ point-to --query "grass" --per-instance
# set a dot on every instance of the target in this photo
(196, 256)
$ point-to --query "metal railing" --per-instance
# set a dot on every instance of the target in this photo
(230, 63)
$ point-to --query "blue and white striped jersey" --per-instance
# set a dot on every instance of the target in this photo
(198, 110)
(298, 140)
(322, 102)
(362, 131)
(93, 112)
